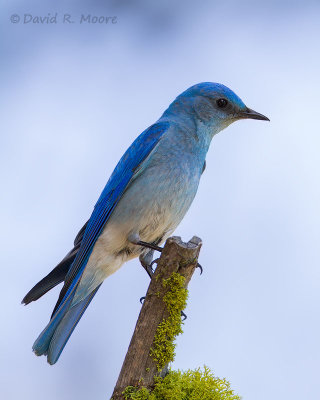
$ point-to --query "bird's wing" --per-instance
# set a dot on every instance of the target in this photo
(57, 275)
(124, 172)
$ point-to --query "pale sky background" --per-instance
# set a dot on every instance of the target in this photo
(73, 97)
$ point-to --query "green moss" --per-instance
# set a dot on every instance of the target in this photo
(177, 385)
(189, 385)
(132, 393)
(175, 298)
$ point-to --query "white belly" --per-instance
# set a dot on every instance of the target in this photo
(152, 215)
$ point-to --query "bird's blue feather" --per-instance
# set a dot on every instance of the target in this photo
(64, 330)
(111, 194)
(109, 198)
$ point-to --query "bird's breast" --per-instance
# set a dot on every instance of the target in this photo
(155, 203)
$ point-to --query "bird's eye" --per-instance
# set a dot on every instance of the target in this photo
(222, 103)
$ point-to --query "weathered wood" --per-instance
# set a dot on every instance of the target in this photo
(138, 366)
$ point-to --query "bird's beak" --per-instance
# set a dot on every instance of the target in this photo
(248, 113)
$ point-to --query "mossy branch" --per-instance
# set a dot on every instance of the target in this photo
(152, 344)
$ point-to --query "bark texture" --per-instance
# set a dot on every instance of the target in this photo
(139, 368)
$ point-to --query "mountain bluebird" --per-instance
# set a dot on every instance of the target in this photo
(146, 197)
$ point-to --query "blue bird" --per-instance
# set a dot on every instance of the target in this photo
(143, 202)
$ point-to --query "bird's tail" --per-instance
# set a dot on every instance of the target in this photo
(54, 337)
(56, 276)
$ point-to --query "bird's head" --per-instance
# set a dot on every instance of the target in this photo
(213, 105)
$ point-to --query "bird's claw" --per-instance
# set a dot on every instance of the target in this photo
(155, 261)
(200, 267)
(183, 315)
(149, 270)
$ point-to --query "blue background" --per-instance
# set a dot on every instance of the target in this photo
(74, 96)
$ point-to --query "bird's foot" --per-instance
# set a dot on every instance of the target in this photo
(147, 262)
(155, 261)
(149, 269)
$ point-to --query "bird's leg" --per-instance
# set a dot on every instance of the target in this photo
(146, 262)
(149, 245)
(145, 258)
(134, 238)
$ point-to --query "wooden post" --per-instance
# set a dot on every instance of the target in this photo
(138, 367)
